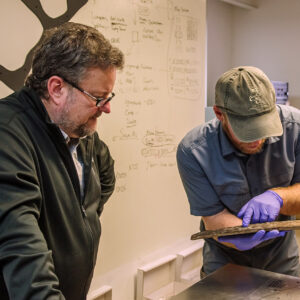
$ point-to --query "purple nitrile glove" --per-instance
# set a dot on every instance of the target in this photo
(262, 208)
(248, 241)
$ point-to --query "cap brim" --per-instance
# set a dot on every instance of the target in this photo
(250, 129)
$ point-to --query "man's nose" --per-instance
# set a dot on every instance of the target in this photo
(105, 108)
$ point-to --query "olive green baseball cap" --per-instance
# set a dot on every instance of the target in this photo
(247, 97)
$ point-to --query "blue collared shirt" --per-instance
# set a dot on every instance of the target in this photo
(216, 176)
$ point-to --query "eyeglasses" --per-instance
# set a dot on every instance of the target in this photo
(99, 101)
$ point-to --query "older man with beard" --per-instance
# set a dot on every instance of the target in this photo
(244, 166)
(55, 172)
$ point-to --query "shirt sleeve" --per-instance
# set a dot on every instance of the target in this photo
(202, 198)
(26, 262)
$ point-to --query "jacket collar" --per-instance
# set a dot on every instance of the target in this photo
(31, 99)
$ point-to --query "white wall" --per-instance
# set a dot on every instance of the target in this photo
(219, 18)
(266, 37)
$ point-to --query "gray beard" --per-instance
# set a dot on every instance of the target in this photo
(68, 126)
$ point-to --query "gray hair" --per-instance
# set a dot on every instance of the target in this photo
(68, 51)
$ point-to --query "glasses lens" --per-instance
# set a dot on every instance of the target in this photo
(102, 102)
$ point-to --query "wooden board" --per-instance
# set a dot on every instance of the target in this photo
(280, 225)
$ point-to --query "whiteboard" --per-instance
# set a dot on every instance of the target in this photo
(159, 97)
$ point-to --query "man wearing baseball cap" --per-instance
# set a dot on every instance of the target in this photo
(243, 167)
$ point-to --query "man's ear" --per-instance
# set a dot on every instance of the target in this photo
(219, 114)
(56, 89)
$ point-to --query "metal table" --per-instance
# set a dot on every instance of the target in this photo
(239, 283)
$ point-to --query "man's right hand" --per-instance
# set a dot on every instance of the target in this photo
(248, 241)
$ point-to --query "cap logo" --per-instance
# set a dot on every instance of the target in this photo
(255, 98)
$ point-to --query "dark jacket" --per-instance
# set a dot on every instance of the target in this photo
(48, 235)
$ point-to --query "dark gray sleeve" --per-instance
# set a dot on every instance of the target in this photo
(106, 172)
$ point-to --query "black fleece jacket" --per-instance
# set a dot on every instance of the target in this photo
(48, 235)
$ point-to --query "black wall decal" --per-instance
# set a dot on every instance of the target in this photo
(15, 79)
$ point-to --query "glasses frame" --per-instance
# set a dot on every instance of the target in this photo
(99, 101)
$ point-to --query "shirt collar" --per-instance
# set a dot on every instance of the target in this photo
(67, 138)
(226, 146)
(74, 141)
(272, 139)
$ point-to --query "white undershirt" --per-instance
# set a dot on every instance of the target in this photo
(72, 145)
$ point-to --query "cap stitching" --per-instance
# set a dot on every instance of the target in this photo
(230, 81)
